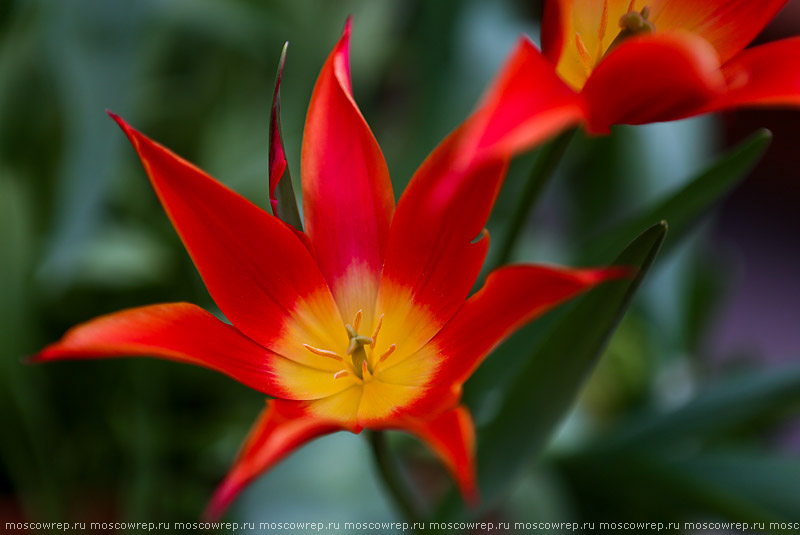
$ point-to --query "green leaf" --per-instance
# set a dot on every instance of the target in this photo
(544, 390)
(743, 486)
(685, 207)
(657, 455)
(731, 403)
(282, 198)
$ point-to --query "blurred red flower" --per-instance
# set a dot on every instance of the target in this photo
(642, 61)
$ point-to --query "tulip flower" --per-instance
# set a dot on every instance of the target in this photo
(642, 61)
(364, 320)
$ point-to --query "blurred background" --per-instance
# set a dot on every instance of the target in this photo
(708, 356)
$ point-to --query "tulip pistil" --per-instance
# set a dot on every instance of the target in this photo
(356, 348)
(632, 24)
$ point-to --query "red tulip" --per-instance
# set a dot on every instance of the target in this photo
(645, 61)
(364, 321)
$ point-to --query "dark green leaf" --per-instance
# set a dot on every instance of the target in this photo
(753, 487)
(686, 206)
(730, 403)
(718, 485)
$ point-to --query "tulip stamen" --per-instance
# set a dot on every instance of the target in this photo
(324, 352)
(377, 330)
(340, 374)
(601, 30)
(357, 320)
(586, 58)
(387, 353)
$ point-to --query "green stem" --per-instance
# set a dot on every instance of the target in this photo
(546, 162)
(391, 478)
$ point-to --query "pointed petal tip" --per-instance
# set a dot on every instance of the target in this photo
(281, 64)
(38, 358)
(119, 120)
(221, 499)
(610, 273)
(471, 496)
(343, 45)
(126, 128)
(47, 354)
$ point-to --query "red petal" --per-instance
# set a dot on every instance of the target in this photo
(254, 265)
(279, 430)
(432, 259)
(655, 78)
(729, 25)
(180, 332)
(451, 435)
(766, 75)
(436, 245)
(511, 297)
(525, 105)
(347, 196)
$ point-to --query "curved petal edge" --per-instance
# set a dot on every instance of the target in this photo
(279, 430)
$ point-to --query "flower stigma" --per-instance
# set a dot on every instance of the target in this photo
(632, 24)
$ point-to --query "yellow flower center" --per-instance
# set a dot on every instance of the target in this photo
(360, 360)
(360, 371)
